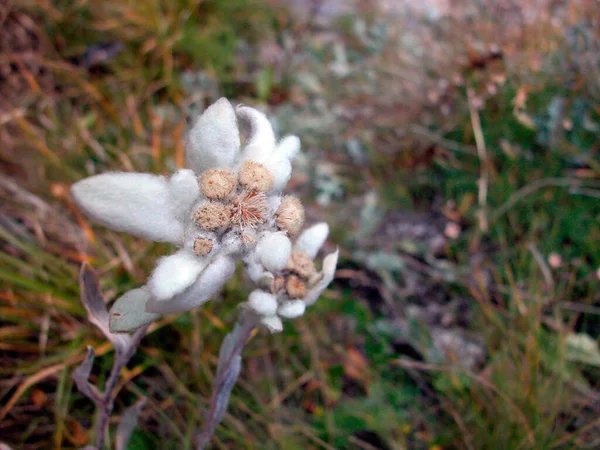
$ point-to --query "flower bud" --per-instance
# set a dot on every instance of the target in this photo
(216, 184)
(212, 215)
(290, 215)
(295, 287)
(255, 176)
(203, 246)
(301, 264)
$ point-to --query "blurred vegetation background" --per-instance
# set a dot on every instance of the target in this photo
(454, 148)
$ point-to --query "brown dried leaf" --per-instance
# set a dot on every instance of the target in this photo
(356, 367)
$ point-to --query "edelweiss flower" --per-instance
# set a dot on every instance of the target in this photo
(226, 204)
(287, 291)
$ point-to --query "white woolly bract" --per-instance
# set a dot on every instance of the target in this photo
(137, 203)
(214, 140)
(254, 269)
(328, 273)
(263, 303)
(292, 309)
(231, 243)
(273, 323)
(184, 191)
(174, 274)
(261, 139)
(281, 169)
(206, 286)
(128, 313)
(288, 147)
(312, 239)
(274, 250)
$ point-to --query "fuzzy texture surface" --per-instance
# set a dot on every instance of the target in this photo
(183, 192)
(301, 264)
(272, 323)
(175, 273)
(255, 176)
(292, 309)
(261, 141)
(208, 284)
(263, 303)
(274, 250)
(328, 273)
(312, 239)
(288, 147)
(214, 141)
(290, 215)
(212, 215)
(216, 184)
(136, 203)
(224, 206)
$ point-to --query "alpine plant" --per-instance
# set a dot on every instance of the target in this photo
(226, 205)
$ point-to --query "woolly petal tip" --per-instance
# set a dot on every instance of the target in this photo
(288, 147)
(263, 303)
(312, 239)
(261, 139)
(292, 309)
(210, 281)
(128, 313)
(136, 203)
(274, 250)
(328, 274)
(184, 191)
(214, 140)
(273, 323)
(174, 274)
(281, 169)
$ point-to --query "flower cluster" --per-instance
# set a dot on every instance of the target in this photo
(225, 206)
(285, 292)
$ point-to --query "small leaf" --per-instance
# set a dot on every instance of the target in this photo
(129, 312)
(94, 303)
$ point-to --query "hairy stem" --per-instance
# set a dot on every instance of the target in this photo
(105, 407)
(227, 375)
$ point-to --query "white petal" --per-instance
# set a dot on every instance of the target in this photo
(273, 323)
(292, 309)
(214, 141)
(328, 273)
(254, 269)
(288, 147)
(128, 313)
(210, 282)
(263, 303)
(184, 190)
(137, 203)
(312, 239)
(281, 169)
(174, 274)
(274, 250)
(261, 140)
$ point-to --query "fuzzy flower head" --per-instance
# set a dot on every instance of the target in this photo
(225, 205)
(287, 288)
